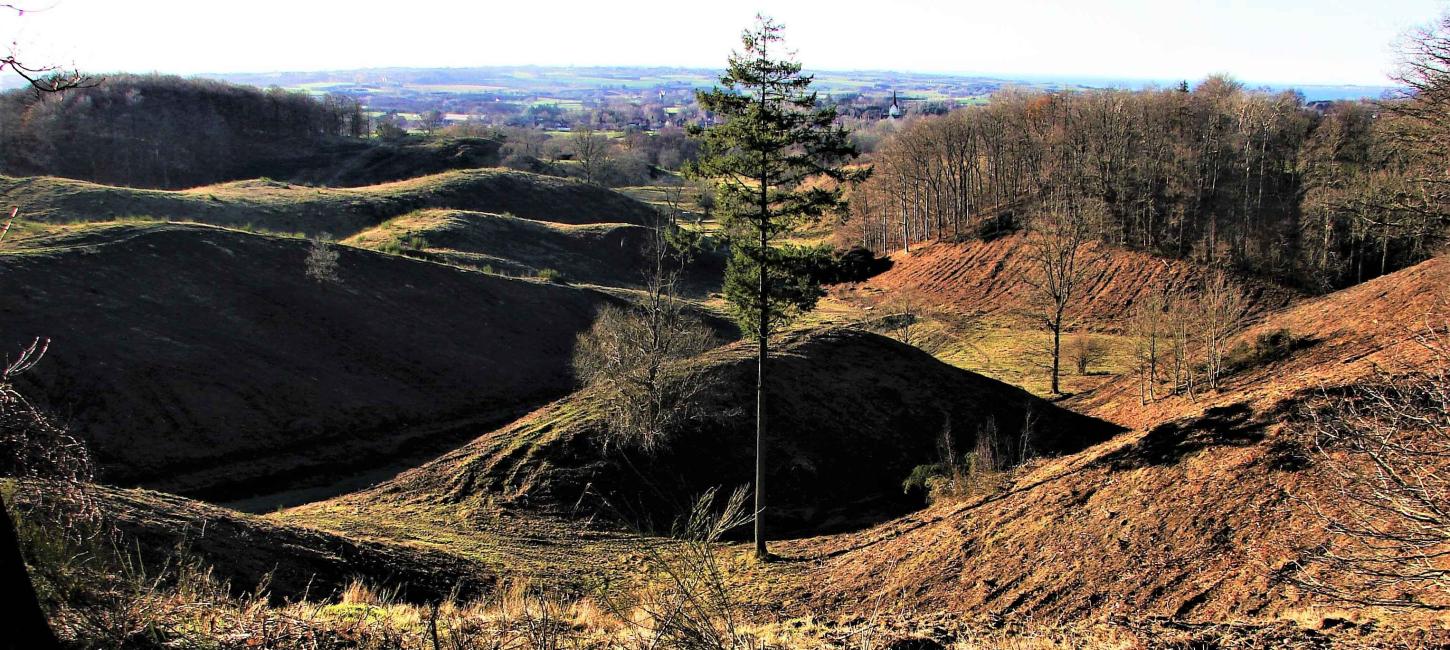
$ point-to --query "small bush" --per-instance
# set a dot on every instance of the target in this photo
(921, 478)
(956, 476)
(321, 263)
(552, 275)
(1085, 352)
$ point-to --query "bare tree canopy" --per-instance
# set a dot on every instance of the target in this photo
(1059, 246)
(638, 354)
(1384, 446)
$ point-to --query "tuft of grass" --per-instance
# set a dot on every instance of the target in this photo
(409, 244)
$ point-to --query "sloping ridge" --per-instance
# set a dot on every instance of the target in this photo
(201, 360)
(991, 277)
(851, 414)
(284, 207)
(1345, 336)
(598, 253)
(1196, 515)
(292, 562)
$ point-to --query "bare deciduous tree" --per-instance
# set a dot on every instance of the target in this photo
(904, 312)
(592, 149)
(1059, 247)
(432, 121)
(39, 446)
(54, 468)
(1085, 351)
(1151, 331)
(637, 353)
(1222, 309)
(1384, 446)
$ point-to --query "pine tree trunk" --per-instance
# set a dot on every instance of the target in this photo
(28, 629)
(763, 340)
(762, 353)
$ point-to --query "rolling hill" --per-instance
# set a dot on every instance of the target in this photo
(285, 207)
(597, 253)
(385, 162)
(203, 361)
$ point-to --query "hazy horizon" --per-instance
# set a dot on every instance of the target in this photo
(1335, 43)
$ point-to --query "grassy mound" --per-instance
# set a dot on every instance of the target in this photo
(594, 253)
(203, 361)
(285, 207)
(852, 414)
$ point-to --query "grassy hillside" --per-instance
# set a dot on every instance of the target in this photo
(246, 551)
(285, 207)
(1197, 515)
(1343, 337)
(992, 278)
(974, 307)
(607, 254)
(596, 253)
(203, 361)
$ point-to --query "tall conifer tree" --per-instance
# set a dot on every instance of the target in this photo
(771, 136)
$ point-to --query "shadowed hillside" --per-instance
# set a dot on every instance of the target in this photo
(284, 207)
(200, 360)
(853, 413)
(384, 162)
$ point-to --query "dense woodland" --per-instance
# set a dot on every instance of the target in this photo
(168, 132)
(1324, 195)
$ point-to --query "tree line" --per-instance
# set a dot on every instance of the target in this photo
(1325, 195)
(166, 131)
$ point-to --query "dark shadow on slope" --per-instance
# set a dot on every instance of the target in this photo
(203, 361)
(851, 415)
(1233, 425)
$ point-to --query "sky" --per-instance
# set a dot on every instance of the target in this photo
(1264, 41)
